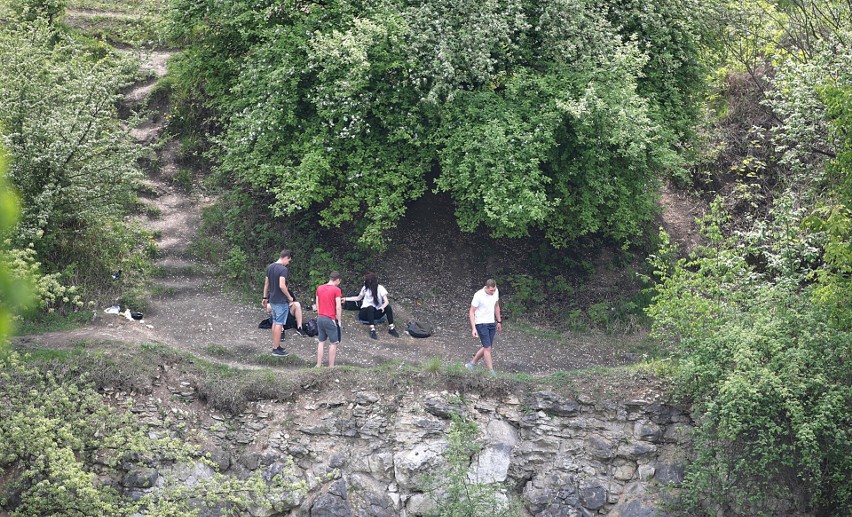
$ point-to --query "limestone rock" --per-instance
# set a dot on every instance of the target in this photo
(410, 466)
(331, 502)
(494, 460)
(140, 477)
(552, 404)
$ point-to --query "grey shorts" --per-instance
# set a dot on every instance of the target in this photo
(328, 330)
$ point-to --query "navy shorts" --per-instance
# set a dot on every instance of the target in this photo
(486, 332)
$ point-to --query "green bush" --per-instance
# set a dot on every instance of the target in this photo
(54, 427)
(765, 364)
(71, 162)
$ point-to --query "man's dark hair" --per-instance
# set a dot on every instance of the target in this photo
(334, 276)
(490, 283)
(286, 253)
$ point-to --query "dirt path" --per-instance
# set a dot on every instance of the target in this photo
(191, 311)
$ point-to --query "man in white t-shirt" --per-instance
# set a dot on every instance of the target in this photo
(485, 322)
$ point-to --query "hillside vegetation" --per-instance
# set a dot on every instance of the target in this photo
(552, 123)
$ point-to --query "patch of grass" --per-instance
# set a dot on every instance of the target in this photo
(664, 368)
(40, 323)
(125, 6)
(105, 364)
(136, 298)
(209, 249)
(162, 291)
(146, 190)
(267, 359)
(184, 179)
(456, 369)
(432, 365)
(217, 350)
(51, 354)
(522, 378)
(561, 379)
(647, 348)
(152, 211)
(531, 330)
(232, 393)
(131, 29)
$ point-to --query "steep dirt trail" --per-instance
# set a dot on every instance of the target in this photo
(191, 311)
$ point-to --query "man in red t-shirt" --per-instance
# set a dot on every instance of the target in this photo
(329, 320)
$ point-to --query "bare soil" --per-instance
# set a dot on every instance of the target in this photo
(191, 310)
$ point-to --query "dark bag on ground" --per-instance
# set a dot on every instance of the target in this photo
(419, 329)
(350, 305)
(309, 328)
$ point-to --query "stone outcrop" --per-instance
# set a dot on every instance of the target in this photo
(372, 455)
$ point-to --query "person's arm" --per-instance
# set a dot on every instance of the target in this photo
(282, 284)
(472, 321)
(316, 302)
(354, 298)
(265, 299)
(339, 310)
(498, 318)
(385, 300)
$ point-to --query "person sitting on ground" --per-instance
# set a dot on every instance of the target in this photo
(375, 305)
(294, 321)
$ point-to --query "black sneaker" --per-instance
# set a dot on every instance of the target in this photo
(374, 334)
(393, 332)
(280, 351)
(299, 332)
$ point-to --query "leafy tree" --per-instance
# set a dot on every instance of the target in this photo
(534, 117)
(72, 161)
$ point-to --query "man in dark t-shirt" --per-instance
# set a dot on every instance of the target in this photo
(276, 296)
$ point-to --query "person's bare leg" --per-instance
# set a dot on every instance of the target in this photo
(478, 356)
(332, 352)
(320, 352)
(486, 354)
(296, 310)
(276, 335)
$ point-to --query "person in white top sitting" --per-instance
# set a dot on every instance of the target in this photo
(375, 304)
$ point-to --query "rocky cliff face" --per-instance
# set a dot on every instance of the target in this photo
(362, 452)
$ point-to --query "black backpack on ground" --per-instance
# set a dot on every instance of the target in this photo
(309, 328)
(419, 329)
(352, 306)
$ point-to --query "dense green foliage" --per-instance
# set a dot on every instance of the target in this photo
(759, 317)
(556, 117)
(15, 292)
(54, 427)
(767, 367)
(71, 161)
